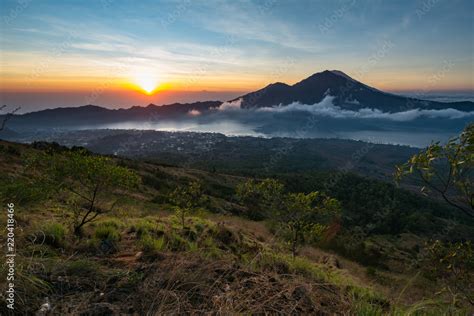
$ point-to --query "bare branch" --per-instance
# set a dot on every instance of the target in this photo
(6, 116)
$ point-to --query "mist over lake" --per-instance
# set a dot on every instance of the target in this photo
(413, 127)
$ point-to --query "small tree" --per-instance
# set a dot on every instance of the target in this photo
(186, 200)
(260, 197)
(298, 216)
(91, 179)
(446, 170)
(303, 216)
(452, 264)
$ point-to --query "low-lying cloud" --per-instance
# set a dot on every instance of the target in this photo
(231, 105)
(326, 108)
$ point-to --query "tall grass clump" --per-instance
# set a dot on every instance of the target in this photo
(53, 234)
(107, 233)
(113, 222)
(152, 246)
(145, 227)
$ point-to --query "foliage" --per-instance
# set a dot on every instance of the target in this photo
(107, 233)
(89, 178)
(187, 199)
(22, 190)
(304, 216)
(143, 227)
(52, 234)
(453, 264)
(114, 222)
(446, 170)
(300, 217)
(151, 245)
(259, 196)
(353, 243)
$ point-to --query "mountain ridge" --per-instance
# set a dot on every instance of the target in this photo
(94, 114)
(348, 94)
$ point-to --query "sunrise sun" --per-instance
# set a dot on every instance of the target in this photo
(147, 82)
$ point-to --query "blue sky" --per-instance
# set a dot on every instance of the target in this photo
(236, 46)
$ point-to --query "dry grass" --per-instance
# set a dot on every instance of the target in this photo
(187, 284)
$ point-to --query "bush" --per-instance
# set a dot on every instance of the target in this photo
(210, 249)
(371, 272)
(145, 227)
(113, 222)
(176, 242)
(151, 245)
(22, 191)
(107, 233)
(52, 234)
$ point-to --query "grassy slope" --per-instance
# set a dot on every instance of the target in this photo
(138, 260)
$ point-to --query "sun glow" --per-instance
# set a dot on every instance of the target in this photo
(147, 82)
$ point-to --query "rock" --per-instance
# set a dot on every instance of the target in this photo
(331, 261)
(45, 308)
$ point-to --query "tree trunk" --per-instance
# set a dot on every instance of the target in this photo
(78, 228)
(294, 243)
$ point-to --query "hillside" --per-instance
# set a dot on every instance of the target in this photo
(137, 257)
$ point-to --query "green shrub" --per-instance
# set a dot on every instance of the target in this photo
(371, 272)
(151, 245)
(23, 191)
(176, 242)
(113, 222)
(52, 234)
(106, 232)
(145, 227)
(210, 249)
(193, 246)
(367, 302)
(91, 245)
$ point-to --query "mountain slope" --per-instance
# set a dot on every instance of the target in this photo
(349, 94)
(136, 255)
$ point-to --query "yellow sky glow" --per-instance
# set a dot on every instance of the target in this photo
(28, 72)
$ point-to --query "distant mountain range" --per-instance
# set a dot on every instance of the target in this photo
(93, 114)
(347, 93)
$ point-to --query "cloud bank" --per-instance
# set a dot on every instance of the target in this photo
(326, 108)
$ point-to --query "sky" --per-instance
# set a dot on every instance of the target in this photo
(123, 53)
